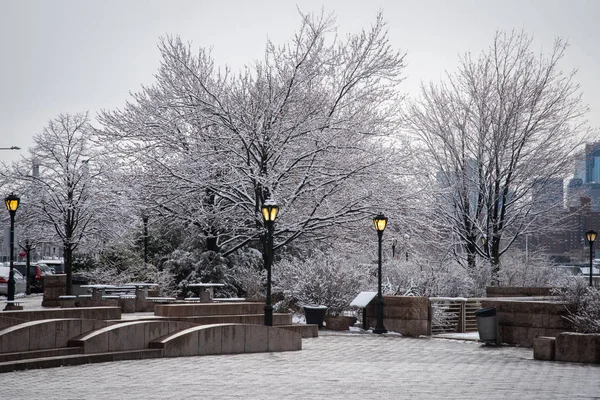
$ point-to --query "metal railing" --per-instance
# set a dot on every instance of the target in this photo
(453, 314)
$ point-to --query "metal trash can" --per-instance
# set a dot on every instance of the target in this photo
(315, 315)
(487, 325)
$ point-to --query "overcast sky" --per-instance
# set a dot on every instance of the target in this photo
(87, 55)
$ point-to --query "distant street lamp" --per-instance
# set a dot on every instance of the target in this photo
(394, 243)
(269, 212)
(591, 238)
(12, 204)
(380, 222)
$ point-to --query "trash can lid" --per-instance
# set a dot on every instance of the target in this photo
(486, 312)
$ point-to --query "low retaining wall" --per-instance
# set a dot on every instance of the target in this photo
(206, 309)
(103, 313)
(252, 319)
(406, 315)
(520, 322)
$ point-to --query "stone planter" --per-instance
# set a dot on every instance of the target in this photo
(339, 322)
(315, 315)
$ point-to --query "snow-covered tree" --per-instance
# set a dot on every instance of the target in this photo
(307, 125)
(64, 192)
(494, 134)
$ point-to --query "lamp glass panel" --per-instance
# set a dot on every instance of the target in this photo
(274, 210)
(380, 222)
(12, 204)
(591, 235)
(270, 212)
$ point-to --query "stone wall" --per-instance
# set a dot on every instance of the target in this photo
(54, 287)
(406, 315)
(568, 347)
(494, 291)
(520, 322)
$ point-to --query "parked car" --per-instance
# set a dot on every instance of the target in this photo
(36, 275)
(56, 264)
(19, 281)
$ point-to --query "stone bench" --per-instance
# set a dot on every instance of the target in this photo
(13, 305)
(161, 299)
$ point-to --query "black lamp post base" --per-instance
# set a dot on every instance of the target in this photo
(380, 330)
(269, 315)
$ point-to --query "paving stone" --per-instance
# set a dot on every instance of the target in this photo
(332, 366)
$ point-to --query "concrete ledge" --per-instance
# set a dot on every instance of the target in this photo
(543, 348)
(45, 334)
(227, 339)
(126, 336)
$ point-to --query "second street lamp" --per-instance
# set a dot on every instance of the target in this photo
(12, 204)
(591, 238)
(269, 212)
(380, 222)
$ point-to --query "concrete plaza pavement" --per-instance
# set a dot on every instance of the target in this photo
(332, 366)
(349, 365)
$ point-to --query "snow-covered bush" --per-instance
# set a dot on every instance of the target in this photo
(403, 278)
(532, 270)
(326, 279)
(586, 299)
(248, 274)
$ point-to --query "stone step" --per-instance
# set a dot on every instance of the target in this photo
(25, 355)
(207, 309)
(306, 330)
(78, 359)
(252, 319)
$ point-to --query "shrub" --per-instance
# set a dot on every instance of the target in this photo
(586, 317)
(327, 279)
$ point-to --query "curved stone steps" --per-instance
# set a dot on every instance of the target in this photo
(28, 355)
(6, 322)
(78, 359)
(227, 339)
(125, 336)
(45, 333)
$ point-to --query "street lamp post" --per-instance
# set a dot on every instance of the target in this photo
(591, 238)
(380, 222)
(269, 212)
(12, 204)
(145, 221)
(394, 243)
